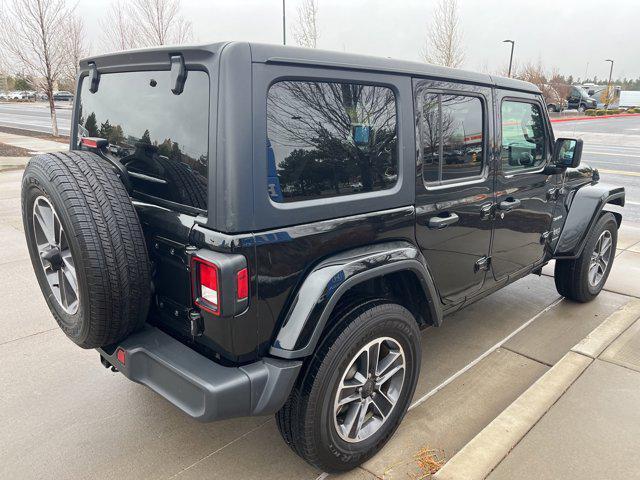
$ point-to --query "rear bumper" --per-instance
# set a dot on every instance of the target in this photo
(198, 386)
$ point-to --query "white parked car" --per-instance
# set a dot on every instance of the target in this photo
(16, 95)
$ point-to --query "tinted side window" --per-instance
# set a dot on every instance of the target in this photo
(523, 136)
(327, 139)
(161, 138)
(450, 137)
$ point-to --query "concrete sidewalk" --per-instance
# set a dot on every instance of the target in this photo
(581, 419)
(13, 163)
(593, 430)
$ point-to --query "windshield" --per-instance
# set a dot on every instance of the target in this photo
(581, 92)
(161, 138)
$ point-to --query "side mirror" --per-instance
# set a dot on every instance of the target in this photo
(567, 152)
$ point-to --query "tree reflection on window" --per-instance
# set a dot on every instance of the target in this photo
(450, 133)
(330, 139)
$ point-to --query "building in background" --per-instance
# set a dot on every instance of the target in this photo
(630, 98)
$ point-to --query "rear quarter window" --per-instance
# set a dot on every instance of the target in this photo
(161, 138)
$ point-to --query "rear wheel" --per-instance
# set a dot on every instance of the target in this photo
(583, 278)
(355, 389)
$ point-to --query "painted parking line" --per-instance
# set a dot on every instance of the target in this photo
(478, 359)
(619, 172)
(612, 147)
(612, 154)
(597, 163)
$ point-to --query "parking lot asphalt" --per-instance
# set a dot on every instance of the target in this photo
(62, 415)
(35, 116)
(611, 145)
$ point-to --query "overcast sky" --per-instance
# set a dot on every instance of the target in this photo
(574, 36)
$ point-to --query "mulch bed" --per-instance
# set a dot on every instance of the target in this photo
(11, 151)
(29, 133)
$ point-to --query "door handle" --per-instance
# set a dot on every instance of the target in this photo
(509, 204)
(441, 222)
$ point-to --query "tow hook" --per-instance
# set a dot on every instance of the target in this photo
(197, 324)
(106, 364)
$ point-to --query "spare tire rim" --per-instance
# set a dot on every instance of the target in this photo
(600, 258)
(369, 389)
(55, 255)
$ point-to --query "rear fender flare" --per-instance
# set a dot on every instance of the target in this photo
(328, 281)
(584, 211)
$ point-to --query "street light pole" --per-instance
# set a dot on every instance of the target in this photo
(511, 56)
(606, 107)
(284, 23)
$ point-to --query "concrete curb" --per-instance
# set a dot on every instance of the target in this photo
(12, 163)
(603, 335)
(580, 119)
(478, 458)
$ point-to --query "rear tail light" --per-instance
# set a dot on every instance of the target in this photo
(207, 293)
(220, 284)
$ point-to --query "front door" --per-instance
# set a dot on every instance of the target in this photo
(454, 184)
(525, 196)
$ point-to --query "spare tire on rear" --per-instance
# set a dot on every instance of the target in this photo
(86, 246)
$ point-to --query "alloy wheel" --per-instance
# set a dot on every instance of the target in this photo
(600, 258)
(369, 389)
(55, 255)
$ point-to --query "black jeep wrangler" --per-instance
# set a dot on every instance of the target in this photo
(251, 229)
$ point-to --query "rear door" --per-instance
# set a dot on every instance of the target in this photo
(454, 184)
(525, 196)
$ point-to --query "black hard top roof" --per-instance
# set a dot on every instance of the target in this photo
(267, 53)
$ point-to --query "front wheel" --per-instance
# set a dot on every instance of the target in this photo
(355, 389)
(583, 278)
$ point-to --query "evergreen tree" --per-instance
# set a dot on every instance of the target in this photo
(105, 130)
(91, 125)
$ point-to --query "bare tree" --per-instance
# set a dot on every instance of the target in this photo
(443, 45)
(75, 47)
(533, 73)
(33, 37)
(561, 87)
(306, 32)
(183, 31)
(160, 22)
(118, 28)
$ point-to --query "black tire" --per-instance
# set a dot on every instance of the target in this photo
(571, 276)
(306, 421)
(105, 240)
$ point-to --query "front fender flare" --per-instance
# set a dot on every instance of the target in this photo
(329, 280)
(583, 213)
